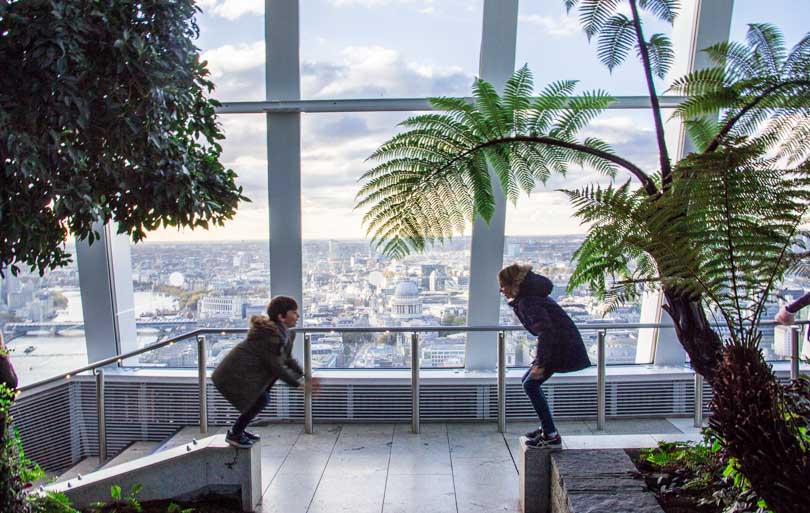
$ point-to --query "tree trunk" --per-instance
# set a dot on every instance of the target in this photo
(747, 409)
(748, 413)
(701, 342)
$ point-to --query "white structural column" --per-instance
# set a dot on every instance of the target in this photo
(700, 24)
(496, 65)
(108, 306)
(284, 150)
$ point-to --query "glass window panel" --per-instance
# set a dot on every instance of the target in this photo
(789, 15)
(232, 41)
(362, 49)
(42, 322)
(216, 277)
(555, 47)
(542, 230)
(346, 283)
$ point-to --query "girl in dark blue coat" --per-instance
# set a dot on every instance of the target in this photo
(559, 344)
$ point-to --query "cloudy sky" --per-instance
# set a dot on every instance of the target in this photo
(410, 48)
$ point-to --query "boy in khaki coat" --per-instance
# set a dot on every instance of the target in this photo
(246, 374)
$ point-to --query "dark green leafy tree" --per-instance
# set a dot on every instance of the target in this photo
(104, 115)
(716, 229)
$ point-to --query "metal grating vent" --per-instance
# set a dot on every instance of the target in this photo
(451, 402)
(381, 403)
(59, 425)
(44, 423)
(656, 398)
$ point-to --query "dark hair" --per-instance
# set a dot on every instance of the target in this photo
(280, 305)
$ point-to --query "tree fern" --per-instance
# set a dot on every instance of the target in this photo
(439, 166)
(718, 229)
(762, 90)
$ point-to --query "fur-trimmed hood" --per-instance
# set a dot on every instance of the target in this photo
(262, 327)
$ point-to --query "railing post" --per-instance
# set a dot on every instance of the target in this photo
(698, 401)
(415, 383)
(202, 376)
(307, 383)
(501, 381)
(794, 353)
(601, 400)
(102, 420)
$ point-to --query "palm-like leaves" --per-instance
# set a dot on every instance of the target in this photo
(762, 90)
(616, 37)
(618, 33)
(435, 177)
(661, 54)
(724, 231)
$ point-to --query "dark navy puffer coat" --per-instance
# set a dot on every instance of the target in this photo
(559, 344)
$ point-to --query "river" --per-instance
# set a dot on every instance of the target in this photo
(56, 354)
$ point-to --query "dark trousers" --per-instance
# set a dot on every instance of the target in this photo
(250, 414)
(538, 399)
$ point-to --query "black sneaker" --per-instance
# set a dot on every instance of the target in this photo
(241, 440)
(534, 434)
(252, 436)
(544, 442)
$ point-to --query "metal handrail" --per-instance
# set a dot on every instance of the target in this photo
(337, 329)
(200, 333)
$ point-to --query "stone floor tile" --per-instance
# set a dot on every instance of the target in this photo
(289, 493)
(485, 485)
(419, 494)
(350, 494)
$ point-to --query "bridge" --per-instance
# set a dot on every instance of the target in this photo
(13, 330)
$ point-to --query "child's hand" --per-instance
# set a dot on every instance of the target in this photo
(784, 317)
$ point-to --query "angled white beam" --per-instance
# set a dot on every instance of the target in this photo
(108, 300)
(497, 64)
(283, 83)
(700, 24)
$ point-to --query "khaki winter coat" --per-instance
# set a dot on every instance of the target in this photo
(256, 363)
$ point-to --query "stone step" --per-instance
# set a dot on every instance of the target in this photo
(133, 452)
(85, 466)
(206, 466)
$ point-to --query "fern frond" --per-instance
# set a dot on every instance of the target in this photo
(516, 98)
(661, 54)
(552, 99)
(701, 131)
(797, 62)
(594, 14)
(616, 38)
(666, 10)
(768, 47)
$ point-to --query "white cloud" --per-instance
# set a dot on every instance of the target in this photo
(374, 71)
(562, 26)
(230, 59)
(231, 9)
(422, 5)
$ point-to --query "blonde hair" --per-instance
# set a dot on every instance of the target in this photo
(511, 276)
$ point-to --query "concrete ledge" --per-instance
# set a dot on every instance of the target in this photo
(581, 481)
(207, 466)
